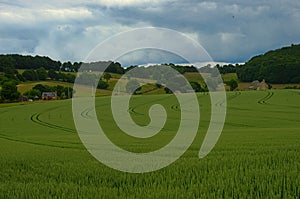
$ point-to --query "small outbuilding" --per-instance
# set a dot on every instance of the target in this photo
(49, 95)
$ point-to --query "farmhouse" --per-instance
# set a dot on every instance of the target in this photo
(49, 95)
(256, 85)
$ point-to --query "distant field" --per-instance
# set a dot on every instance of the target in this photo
(190, 76)
(257, 156)
(24, 87)
(193, 77)
(229, 76)
(245, 86)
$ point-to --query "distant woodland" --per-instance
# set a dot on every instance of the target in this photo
(281, 66)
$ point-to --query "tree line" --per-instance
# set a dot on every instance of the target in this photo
(16, 61)
(276, 66)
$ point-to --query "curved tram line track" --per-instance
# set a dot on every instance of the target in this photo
(266, 98)
(9, 138)
(133, 109)
(235, 95)
(36, 119)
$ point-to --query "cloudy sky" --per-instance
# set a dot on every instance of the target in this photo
(230, 30)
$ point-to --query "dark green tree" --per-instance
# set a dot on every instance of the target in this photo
(106, 76)
(233, 84)
(6, 62)
(30, 75)
(43, 88)
(42, 73)
(196, 86)
(68, 92)
(102, 85)
(9, 91)
(52, 74)
(167, 90)
(20, 77)
(69, 78)
(9, 72)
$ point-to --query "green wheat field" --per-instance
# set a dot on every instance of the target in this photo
(257, 155)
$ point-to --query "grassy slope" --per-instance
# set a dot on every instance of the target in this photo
(23, 87)
(257, 154)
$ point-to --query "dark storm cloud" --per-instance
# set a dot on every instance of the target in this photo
(231, 31)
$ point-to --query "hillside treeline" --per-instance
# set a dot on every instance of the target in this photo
(277, 66)
(28, 62)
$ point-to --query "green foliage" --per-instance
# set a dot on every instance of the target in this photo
(20, 77)
(62, 92)
(115, 67)
(278, 66)
(233, 84)
(133, 86)
(183, 69)
(102, 85)
(9, 91)
(42, 73)
(68, 66)
(106, 76)
(28, 62)
(52, 74)
(10, 72)
(168, 91)
(67, 77)
(224, 69)
(291, 87)
(196, 86)
(30, 75)
(33, 93)
(3, 79)
(43, 88)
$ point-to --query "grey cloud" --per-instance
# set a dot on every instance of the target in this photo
(231, 31)
(149, 56)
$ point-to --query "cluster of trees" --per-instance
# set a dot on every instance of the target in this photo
(33, 75)
(15, 61)
(155, 71)
(62, 92)
(133, 86)
(278, 66)
(38, 74)
(182, 87)
(28, 62)
(103, 66)
(183, 69)
(222, 69)
(9, 91)
(91, 79)
(233, 84)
